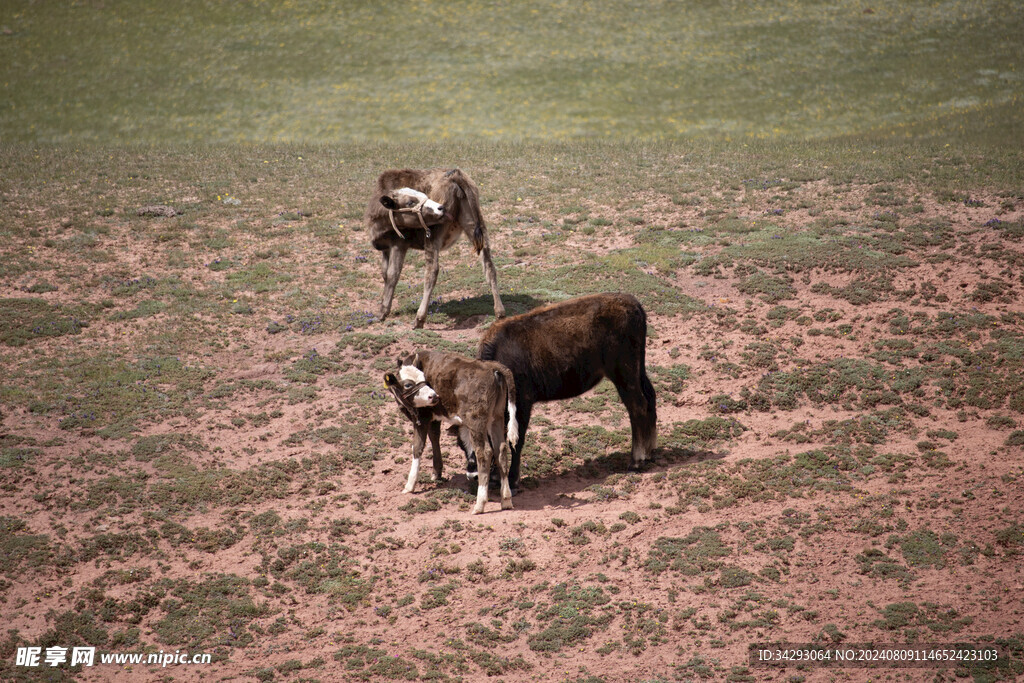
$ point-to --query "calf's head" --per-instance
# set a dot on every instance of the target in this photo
(410, 385)
(408, 200)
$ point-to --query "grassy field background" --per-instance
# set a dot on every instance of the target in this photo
(820, 206)
(338, 72)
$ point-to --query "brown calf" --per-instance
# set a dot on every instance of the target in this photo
(473, 396)
(559, 351)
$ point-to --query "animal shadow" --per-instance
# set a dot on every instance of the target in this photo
(562, 485)
(470, 311)
(558, 489)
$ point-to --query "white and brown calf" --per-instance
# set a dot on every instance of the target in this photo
(426, 210)
(475, 397)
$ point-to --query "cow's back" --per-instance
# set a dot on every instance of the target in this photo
(561, 350)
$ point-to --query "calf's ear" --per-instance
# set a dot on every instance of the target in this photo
(388, 202)
(390, 380)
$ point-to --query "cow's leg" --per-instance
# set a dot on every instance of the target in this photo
(492, 281)
(433, 265)
(435, 445)
(391, 269)
(637, 421)
(637, 395)
(483, 457)
(419, 440)
(649, 415)
(523, 417)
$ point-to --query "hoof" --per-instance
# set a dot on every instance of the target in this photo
(419, 325)
(408, 490)
(477, 510)
(638, 466)
(507, 504)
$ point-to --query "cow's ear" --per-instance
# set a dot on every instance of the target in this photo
(388, 202)
(398, 362)
(416, 361)
(390, 380)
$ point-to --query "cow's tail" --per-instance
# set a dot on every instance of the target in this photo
(504, 376)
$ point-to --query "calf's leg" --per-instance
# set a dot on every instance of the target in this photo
(483, 459)
(492, 281)
(391, 269)
(419, 440)
(433, 265)
(461, 434)
(435, 445)
(499, 447)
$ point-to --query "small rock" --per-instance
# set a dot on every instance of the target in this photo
(157, 211)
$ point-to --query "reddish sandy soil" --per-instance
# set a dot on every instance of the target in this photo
(803, 582)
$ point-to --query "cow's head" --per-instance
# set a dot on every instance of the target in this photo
(410, 384)
(409, 201)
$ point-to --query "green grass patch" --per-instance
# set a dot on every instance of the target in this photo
(691, 555)
(25, 320)
(911, 618)
(212, 610)
(770, 289)
(877, 565)
(18, 548)
(702, 433)
(571, 618)
(924, 548)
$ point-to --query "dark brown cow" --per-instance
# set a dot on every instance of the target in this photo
(474, 396)
(426, 210)
(564, 349)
